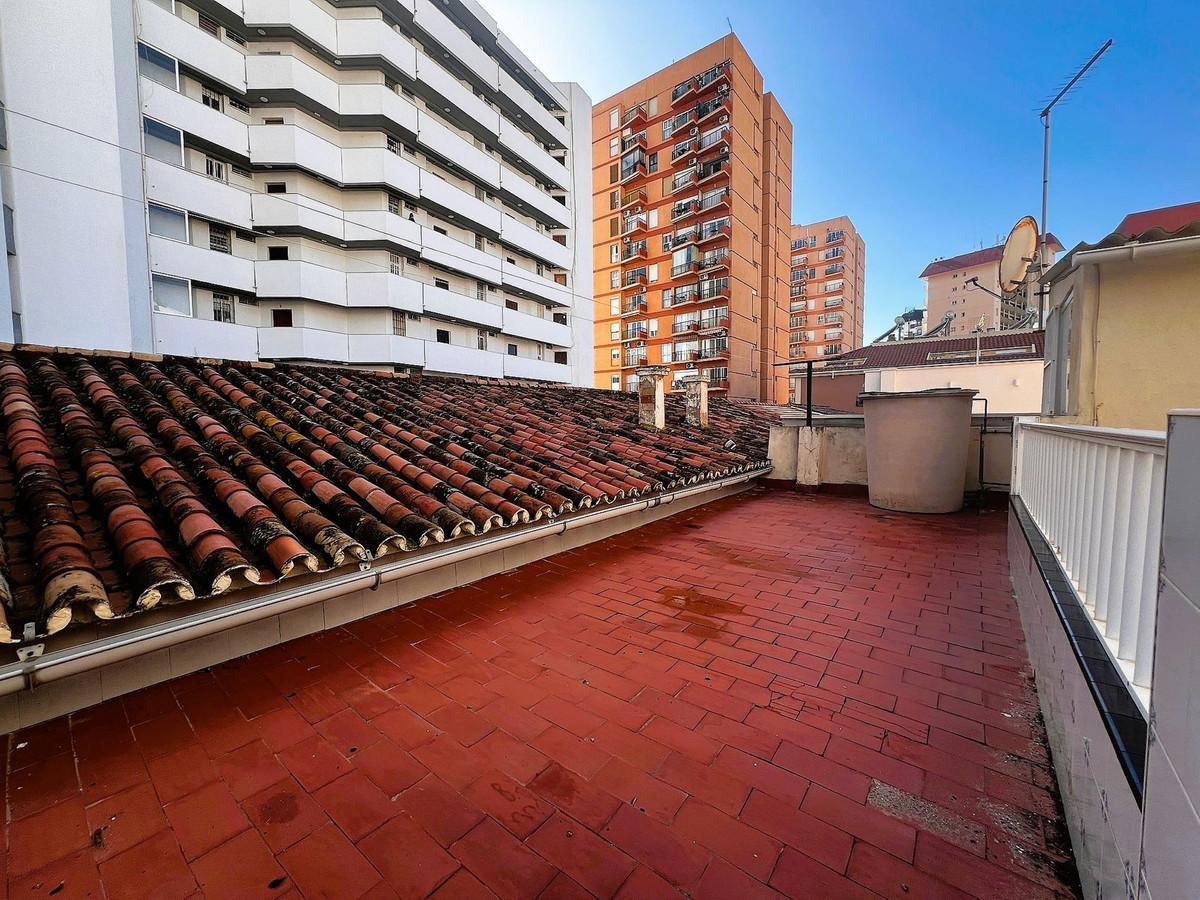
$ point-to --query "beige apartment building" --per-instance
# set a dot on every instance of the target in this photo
(827, 294)
(948, 290)
(692, 187)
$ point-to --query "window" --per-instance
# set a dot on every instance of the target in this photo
(614, 278)
(479, 242)
(614, 146)
(512, 349)
(281, 318)
(481, 339)
(209, 25)
(277, 252)
(443, 336)
(394, 265)
(276, 187)
(162, 142)
(399, 324)
(560, 357)
(239, 105)
(393, 145)
(481, 290)
(222, 307)
(510, 304)
(614, 118)
(158, 66)
(210, 98)
(439, 230)
(541, 351)
(441, 283)
(614, 173)
(614, 383)
(652, 162)
(167, 222)
(614, 199)
(241, 172)
(273, 120)
(1056, 370)
(218, 239)
(171, 295)
(245, 236)
(214, 168)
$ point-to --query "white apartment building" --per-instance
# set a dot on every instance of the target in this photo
(372, 182)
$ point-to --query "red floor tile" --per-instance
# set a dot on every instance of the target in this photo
(774, 693)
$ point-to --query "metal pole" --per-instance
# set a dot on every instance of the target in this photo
(808, 363)
(1045, 204)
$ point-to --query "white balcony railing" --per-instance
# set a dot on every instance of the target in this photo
(1096, 495)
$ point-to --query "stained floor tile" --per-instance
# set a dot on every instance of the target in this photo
(772, 694)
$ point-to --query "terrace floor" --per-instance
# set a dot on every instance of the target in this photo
(772, 693)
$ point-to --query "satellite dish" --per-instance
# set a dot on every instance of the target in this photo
(1019, 251)
(899, 320)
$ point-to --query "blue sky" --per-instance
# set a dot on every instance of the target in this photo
(919, 120)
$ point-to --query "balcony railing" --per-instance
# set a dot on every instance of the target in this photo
(713, 323)
(684, 295)
(636, 250)
(685, 236)
(712, 107)
(712, 201)
(684, 209)
(634, 140)
(714, 76)
(684, 268)
(683, 180)
(720, 350)
(681, 150)
(685, 327)
(634, 305)
(635, 223)
(714, 259)
(714, 230)
(636, 277)
(635, 331)
(720, 136)
(634, 359)
(1096, 495)
(711, 170)
(631, 198)
(634, 114)
(714, 288)
(633, 170)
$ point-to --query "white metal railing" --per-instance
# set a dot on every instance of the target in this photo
(1096, 495)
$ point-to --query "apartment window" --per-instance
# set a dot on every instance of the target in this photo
(614, 383)
(541, 351)
(614, 226)
(481, 290)
(479, 242)
(614, 146)
(218, 239)
(281, 318)
(442, 336)
(399, 324)
(276, 187)
(512, 349)
(210, 98)
(614, 118)
(214, 168)
(614, 278)
(222, 306)
(510, 304)
(614, 199)
(394, 265)
(614, 173)
(157, 66)
(560, 318)
(171, 295)
(481, 339)
(210, 25)
(393, 145)
(162, 142)
(560, 357)
(241, 172)
(393, 204)
(441, 283)
(245, 236)
(273, 120)
(652, 162)
(439, 230)
(167, 222)
(277, 252)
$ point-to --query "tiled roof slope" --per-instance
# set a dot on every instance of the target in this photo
(1168, 218)
(125, 484)
(976, 258)
(915, 352)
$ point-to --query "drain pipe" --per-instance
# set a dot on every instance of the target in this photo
(27, 674)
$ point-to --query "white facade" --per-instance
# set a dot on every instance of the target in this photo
(382, 184)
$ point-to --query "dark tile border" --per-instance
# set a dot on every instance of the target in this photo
(1122, 718)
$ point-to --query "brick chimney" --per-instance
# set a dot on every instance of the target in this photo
(697, 401)
(652, 403)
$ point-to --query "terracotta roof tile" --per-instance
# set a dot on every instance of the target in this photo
(976, 258)
(917, 352)
(127, 484)
(1168, 218)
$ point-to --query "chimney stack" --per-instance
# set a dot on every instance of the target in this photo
(697, 401)
(652, 403)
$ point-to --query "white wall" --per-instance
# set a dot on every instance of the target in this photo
(582, 355)
(1010, 387)
(80, 276)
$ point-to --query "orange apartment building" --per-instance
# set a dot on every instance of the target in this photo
(826, 302)
(692, 187)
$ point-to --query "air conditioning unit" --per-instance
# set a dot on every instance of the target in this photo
(626, 239)
(723, 119)
(694, 132)
(637, 209)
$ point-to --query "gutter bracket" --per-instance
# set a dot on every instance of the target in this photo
(377, 582)
(30, 651)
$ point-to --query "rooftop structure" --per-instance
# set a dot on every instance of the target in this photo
(828, 285)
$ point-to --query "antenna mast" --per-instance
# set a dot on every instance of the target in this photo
(1045, 116)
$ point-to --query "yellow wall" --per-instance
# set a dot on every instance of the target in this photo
(1135, 351)
(1011, 388)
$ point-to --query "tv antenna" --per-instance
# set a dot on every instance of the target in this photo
(1045, 116)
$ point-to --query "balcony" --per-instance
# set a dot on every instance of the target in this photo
(685, 268)
(634, 140)
(467, 308)
(684, 296)
(691, 326)
(635, 331)
(386, 349)
(635, 116)
(635, 224)
(714, 289)
(304, 343)
(717, 232)
(718, 200)
(718, 384)
(634, 251)
(634, 280)
(288, 278)
(458, 360)
(194, 118)
(633, 198)
(633, 360)
(168, 257)
(711, 171)
(714, 260)
(683, 237)
(533, 156)
(191, 46)
(713, 108)
(683, 91)
(635, 305)
(185, 189)
(682, 152)
(715, 144)
(721, 351)
(535, 328)
(536, 369)
(684, 210)
(714, 323)
(632, 171)
(683, 181)
(191, 337)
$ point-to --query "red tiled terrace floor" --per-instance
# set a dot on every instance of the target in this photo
(773, 693)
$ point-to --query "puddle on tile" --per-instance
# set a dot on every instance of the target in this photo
(691, 600)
